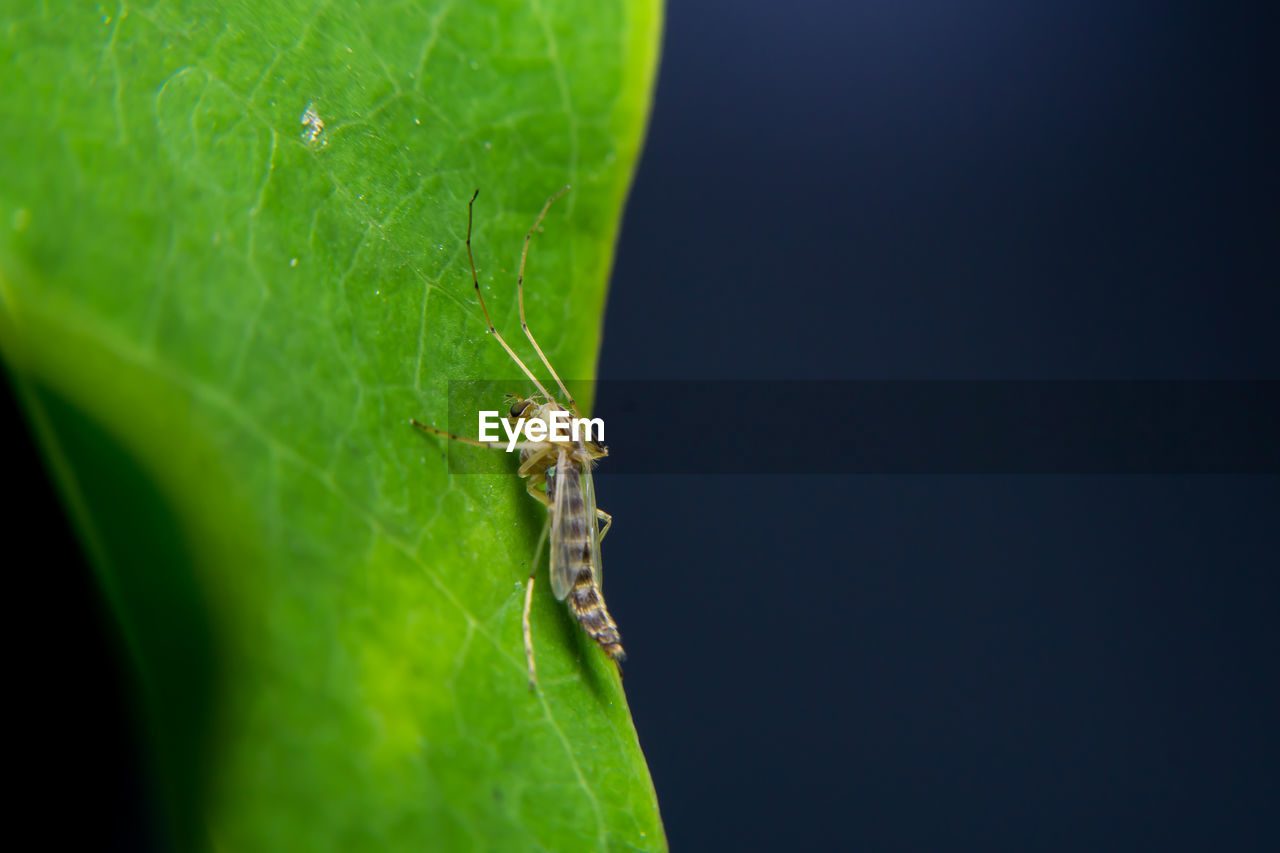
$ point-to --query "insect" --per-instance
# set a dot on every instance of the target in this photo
(558, 474)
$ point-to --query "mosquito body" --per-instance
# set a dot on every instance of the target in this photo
(558, 474)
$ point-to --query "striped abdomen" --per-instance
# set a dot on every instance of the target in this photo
(575, 554)
(587, 603)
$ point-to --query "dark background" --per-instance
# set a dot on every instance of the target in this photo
(904, 190)
(959, 191)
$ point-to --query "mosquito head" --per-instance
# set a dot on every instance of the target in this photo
(518, 408)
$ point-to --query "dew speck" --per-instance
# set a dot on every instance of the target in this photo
(417, 120)
(488, 145)
(314, 125)
(293, 262)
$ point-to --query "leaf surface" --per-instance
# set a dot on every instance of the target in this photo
(232, 268)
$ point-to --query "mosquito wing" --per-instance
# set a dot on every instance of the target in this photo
(573, 530)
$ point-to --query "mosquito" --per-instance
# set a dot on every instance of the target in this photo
(558, 474)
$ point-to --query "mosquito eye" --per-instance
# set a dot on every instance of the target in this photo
(518, 408)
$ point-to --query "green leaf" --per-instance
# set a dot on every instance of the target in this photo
(232, 268)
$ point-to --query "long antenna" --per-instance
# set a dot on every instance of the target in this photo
(476, 281)
(524, 254)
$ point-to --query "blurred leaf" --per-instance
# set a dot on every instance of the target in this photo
(231, 269)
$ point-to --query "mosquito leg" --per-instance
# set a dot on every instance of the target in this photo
(528, 605)
(528, 634)
(531, 485)
(521, 445)
(524, 324)
(608, 522)
(492, 445)
(475, 279)
(537, 461)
